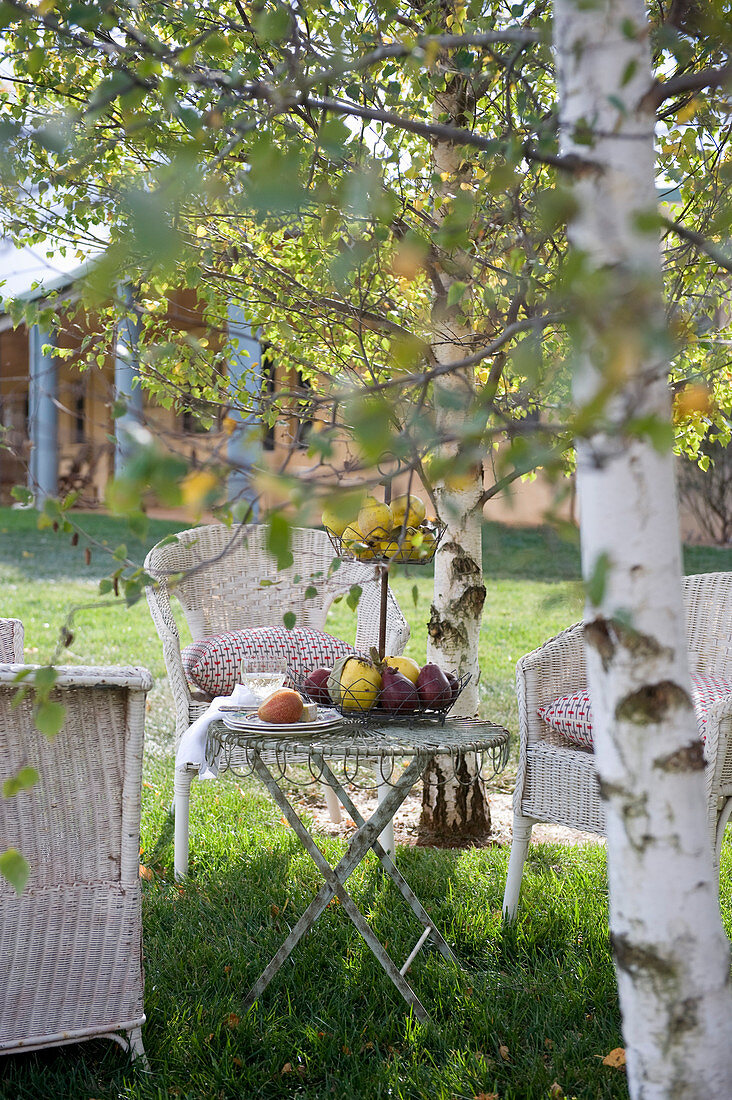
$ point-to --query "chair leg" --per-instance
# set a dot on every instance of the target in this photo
(137, 1050)
(331, 801)
(522, 827)
(722, 819)
(181, 801)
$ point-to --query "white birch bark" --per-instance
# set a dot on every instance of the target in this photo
(671, 953)
(455, 809)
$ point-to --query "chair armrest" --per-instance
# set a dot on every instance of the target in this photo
(555, 668)
(162, 615)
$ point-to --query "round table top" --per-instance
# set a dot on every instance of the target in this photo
(380, 740)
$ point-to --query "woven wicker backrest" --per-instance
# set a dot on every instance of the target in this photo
(225, 579)
(708, 603)
(11, 640)
(70, 944)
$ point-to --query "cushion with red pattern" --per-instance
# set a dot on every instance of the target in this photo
(571, 715)
(213, 663)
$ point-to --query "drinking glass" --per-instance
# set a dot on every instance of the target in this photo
(262, 675)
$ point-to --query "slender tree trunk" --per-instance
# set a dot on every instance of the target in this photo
(671, 953)
(454, 806)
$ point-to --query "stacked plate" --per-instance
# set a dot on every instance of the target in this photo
(250, 722)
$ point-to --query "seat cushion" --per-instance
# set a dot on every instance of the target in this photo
(571, 715)
(213, 663)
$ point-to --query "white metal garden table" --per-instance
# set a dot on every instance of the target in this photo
(398, 755)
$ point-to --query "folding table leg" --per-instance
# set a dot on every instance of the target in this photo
(389, 866)
(362, 840)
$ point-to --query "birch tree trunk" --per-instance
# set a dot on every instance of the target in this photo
(454, 806)
(671, 953)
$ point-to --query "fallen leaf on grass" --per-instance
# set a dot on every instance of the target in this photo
(556, 1092)
(504, 1052)
(289, 1068)
(616, 1058)
(237, 1062)
(487, 1096)
(146, 873)
(232, 1020)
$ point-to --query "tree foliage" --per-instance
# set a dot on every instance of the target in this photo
(283, 158)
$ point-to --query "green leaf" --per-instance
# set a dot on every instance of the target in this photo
(21, 781)
(273, 23)
(49, 717)
(354, 595)
(14, 868)
(597, 581)
(21, 494)
(310, 592)
(415, 594)
(278, 540)
(289, 619)
(456, 293)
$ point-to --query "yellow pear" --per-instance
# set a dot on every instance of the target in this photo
(375, 519)
(354, 683)
(408, 511)
(333, 521)
(354, 541)
(405, 665)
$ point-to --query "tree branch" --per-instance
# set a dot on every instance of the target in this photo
(442, 132)
(699, 242)
(686, 82)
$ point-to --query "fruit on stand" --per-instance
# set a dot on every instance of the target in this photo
(408, 511)
(405, 665)
(398, 694)
(335, 523)
(354, 683)
(375, 519)
(281, 708)
(433, 687)
(454, 686)
(316, 686)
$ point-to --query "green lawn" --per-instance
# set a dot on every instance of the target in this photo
(534, 1005)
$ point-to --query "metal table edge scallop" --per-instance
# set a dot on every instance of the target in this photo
(352, 745)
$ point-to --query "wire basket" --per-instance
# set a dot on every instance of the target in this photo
(407, 546)
(360, 702)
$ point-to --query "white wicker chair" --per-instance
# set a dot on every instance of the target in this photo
(71, 943)
(556, 781)
(11, 641)
(216, 574)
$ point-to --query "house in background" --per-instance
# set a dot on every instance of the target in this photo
(58, 429)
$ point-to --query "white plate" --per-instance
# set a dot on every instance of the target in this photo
(252, 723)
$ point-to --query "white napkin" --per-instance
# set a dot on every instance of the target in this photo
(192, 748)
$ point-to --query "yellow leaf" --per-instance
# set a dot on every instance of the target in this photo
(688, 111)
(228, 424)
(197, 485)
(504, 1052)
(616, 1058)
(695, 398)
(201, 231)
(146, 873)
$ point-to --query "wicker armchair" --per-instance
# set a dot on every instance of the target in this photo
(217, 574)
(71, 943)
(556, 780)
(11, 641)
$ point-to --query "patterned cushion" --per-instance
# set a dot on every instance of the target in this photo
(213, 663)
(571, 715)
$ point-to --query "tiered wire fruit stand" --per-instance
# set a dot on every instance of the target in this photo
(395, 547)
